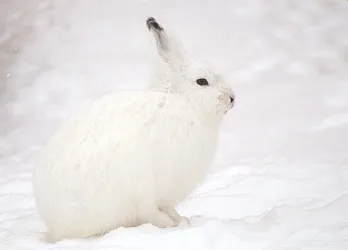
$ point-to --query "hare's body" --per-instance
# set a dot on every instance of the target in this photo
(132, 156)
(117, 162)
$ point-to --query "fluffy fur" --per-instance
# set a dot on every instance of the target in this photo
(130, 157)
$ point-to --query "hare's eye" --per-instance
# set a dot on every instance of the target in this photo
(202, 82)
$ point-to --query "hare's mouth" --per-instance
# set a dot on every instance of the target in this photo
(231, 105)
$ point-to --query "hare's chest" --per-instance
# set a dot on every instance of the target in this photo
(182, 160)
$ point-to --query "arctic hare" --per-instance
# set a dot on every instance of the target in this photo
(130, 157)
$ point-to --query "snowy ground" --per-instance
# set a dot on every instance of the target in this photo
(280, 180)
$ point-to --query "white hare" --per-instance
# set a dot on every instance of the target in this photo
(130, 157)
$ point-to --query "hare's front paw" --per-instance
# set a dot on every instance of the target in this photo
(175, 216)
(161, 220)
(184, 220)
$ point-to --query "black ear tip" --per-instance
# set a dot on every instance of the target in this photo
(150, 19)
(152, 23)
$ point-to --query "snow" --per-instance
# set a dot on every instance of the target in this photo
(280, 180)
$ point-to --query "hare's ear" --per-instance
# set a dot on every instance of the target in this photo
(169, 49)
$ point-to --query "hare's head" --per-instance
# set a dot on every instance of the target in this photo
(179, 73)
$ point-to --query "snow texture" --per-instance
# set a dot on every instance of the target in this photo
(280, 180)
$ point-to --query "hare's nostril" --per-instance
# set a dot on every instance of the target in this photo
(231, 98)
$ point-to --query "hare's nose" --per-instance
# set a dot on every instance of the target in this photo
(232, 99)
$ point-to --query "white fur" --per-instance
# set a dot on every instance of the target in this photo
(131, 157)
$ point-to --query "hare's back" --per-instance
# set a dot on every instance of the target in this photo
(118, 124)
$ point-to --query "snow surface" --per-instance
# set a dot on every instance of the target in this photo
(280, 180)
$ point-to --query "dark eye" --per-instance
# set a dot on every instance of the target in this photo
(202, 82)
